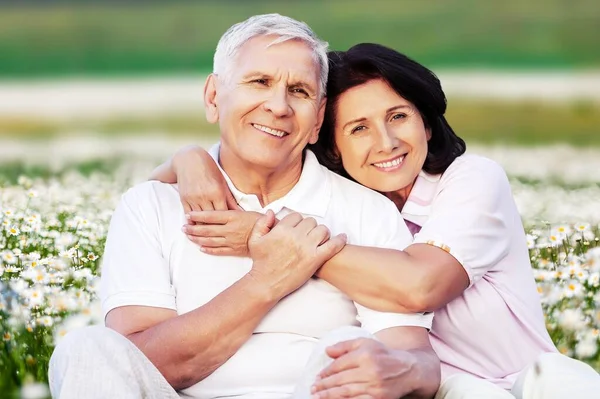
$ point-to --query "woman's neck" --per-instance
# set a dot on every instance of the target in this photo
(399, 197)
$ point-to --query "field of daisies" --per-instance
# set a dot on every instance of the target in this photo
(56, 200)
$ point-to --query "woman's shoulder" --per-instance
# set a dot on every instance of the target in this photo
(475, 167)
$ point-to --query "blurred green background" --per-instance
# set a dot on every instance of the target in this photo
(48, 40)
(103, 37)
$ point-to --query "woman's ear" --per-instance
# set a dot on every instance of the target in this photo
(428, 133)
(210, 99)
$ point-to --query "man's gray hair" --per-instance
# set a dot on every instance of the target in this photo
(269, 24)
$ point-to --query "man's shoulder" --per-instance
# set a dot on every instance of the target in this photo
(355, 200)
(151, 194)
(351, 190)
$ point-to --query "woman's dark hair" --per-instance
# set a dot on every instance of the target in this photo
(411, 80)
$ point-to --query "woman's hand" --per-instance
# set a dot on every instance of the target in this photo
(201, 184)
(221, 232)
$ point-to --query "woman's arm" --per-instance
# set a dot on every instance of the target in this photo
(421, 278)
(201, 184)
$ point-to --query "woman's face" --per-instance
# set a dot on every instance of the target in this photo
(381, 137)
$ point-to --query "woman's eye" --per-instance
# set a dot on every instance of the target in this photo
(398, 116)
(357, 129)
(260, 81)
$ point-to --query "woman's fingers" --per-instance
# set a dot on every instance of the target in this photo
(208, 242)
(203, 230)
(210, 217)
(219, 251)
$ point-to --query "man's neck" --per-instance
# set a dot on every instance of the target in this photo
(267, 184)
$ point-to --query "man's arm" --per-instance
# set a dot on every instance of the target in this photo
(189, 347)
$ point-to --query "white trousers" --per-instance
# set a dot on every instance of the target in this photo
(98, 363)
(552, 376)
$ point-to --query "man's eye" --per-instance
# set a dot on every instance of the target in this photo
(358, 129)
(260, 81)
(300, 91)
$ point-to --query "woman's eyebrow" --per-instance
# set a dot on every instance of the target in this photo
(387, 111)
(354, 121)
(397, 107)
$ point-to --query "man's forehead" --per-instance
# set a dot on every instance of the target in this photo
(268, 55)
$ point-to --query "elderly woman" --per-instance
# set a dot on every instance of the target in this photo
(385, 128)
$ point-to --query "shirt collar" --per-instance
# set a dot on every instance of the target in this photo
(418, 205)
(310, 195)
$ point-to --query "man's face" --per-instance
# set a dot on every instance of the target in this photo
(269, 107)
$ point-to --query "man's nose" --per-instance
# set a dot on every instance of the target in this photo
(278, 103)
(387, 140)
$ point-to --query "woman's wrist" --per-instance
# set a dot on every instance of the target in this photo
(186, 156)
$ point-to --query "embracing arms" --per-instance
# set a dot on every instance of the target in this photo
(187, 348)
(421, 278)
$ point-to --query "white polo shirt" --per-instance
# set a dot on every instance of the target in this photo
(149, 261)
(496, 327)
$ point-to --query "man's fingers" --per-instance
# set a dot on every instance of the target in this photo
(210, 217)
(263, 225)
(354, 391)
(220, 204)
(306, 225)
(204, 206)
(347, 361)
(320, 234)
(208, 242)
(341, 348)
(231, 202)
(291, 220)
(332, 247)
(187, 208)
(340, 379)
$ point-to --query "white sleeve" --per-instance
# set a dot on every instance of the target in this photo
(384, 227)
(134, 271)
(472, 215)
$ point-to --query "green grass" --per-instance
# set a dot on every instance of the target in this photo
(522, 123)
(178, 36)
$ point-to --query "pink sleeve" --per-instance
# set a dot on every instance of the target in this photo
(471, 215)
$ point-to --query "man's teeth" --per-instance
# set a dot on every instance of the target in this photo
(390, 164)
(272, 132)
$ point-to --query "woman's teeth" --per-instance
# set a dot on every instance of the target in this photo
(272, 132)
(390, 164)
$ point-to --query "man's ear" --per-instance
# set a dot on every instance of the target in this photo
(320, 116)
(210, 99)
(428, 133)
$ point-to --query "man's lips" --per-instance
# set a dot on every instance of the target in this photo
(270, 130)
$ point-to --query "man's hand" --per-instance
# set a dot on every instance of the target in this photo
(365, 368)
(221, 232)
(285, 256)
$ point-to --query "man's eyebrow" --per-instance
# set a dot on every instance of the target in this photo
(387, 111)
(255, 75)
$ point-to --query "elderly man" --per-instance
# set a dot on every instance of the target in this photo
(185, 323)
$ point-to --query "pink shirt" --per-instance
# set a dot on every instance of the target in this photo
(496, 327)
